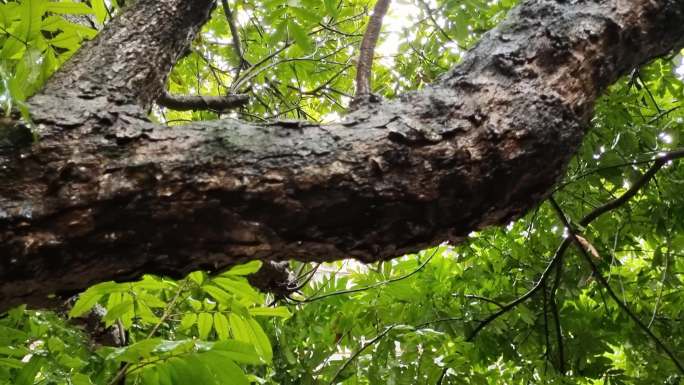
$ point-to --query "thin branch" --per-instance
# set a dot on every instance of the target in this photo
(237, 46)
(333, 30)
(662, 286)
(358, 352)
(484, 299)
(650, 173)
(377, 284)
(167, 313)
(439, 28)
(597, 273)
(558, 256)
(214, 103)
(366, 52)
(559, 335)
(547, 341)
(509, 306)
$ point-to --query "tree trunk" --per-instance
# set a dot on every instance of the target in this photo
(107, 194)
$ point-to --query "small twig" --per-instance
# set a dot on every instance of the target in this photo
(358, 352)
(661, 288)
(167, 313)
(333, 30)
(377, 284)
(367, 49)
(484, 299)
(439, 28)
(442, 375)
(650, 173)
(511, 305)
(648, 91)
(306, 280)
(597, 273)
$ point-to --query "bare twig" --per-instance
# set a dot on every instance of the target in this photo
(602, 280)
(214, 103)
(366, 52)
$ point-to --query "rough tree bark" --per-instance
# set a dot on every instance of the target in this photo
(106, 194)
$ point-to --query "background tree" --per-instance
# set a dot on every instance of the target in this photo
(514, 305)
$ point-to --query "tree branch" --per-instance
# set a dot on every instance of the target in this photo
(107, 194)
(214, 103)
(367, 50)
(611, 293)
(559, 335)
(586, 220)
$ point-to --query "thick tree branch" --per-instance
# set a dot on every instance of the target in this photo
(130, 59)
(106, 194)
(367, 50)
(214, 103)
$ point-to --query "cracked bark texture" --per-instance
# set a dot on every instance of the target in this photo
(106, 194)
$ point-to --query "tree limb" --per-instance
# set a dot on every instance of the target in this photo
(107, 194)
(367, 49)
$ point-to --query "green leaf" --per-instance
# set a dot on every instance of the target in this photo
(176, 347)
(197, 276)
(204, 323)
(187, 321)
(221, 326)
(11, 363)
(135, 352)
(145, 313)
(331, 7)
(238, 351)
(202, 373)
(262, 343)
(224, 370)
(250, 267)
(299, 35)
(118, 311)
(239, 288)
(182, 372)
(85, 302)
(248, 330)
(27, 375)
(68, 8)
(279, 311)
(100, 9)
(240, 329)
(218, 294)
(80, 379)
